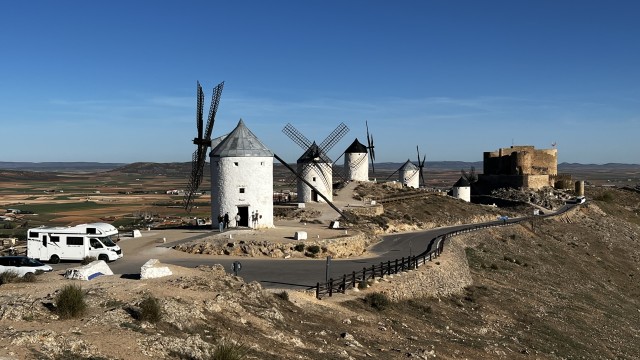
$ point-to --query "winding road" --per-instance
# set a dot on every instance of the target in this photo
(296, 273)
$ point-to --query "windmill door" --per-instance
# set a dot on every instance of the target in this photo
(314, 195)
(244, 216)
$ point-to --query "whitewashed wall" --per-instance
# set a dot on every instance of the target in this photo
(315, 171)
(463, 192)
(255, 175)
(357, 166)
(410, 178)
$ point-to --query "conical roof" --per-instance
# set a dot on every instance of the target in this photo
(240, 142)
(462, 182)
(356, 148)
(313, 154)
(408, 166)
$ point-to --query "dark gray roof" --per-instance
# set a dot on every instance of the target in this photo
(314, 154)
(240, 142)
(462, 182)
(356, 148)
(408, 166)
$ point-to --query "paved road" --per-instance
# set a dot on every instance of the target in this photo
(297, 273)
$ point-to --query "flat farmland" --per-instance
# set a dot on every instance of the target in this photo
(115, 197)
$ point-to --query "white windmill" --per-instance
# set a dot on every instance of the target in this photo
(242, 179)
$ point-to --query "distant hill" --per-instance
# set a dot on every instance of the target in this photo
(435, 165)
(568, 167)
(152, 168)
(59, 166)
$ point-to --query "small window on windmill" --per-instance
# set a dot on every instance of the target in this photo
(235, 163)
(314, 178)
(261, 163)
(241, 190)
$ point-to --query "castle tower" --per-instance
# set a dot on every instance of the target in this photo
(409, 175)
(462, 189)
(356, 162)
(315, 167)
(242, 178)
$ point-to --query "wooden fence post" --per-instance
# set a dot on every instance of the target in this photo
(330, 287)
(318, 291)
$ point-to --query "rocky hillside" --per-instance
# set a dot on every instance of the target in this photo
(562, 288)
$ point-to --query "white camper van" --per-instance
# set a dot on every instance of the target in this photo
(53, 244)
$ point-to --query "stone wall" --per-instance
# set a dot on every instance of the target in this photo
(537, 181)
(344, 246)
(521, 160)
(372, 210)
(446, 275)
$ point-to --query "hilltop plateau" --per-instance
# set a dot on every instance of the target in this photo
(556, 288)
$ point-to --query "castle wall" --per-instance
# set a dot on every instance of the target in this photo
(521, 160)
(536, 181)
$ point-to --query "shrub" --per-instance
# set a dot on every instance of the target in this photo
(299, 247)
(28, 277)
(88, 260)
(363, 284)
(313, 249)
(606, 196)
(70, 302)
(282, 295)
(9, 276)
(229, 351)
(150, 310)
(378, 301)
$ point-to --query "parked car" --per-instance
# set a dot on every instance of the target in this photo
(22, 265)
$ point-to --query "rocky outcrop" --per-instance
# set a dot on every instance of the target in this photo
(340, 247)
(445, 275)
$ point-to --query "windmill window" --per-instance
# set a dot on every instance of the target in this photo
(235, 163)
(314, 178)
(262, 163)
(241, 190)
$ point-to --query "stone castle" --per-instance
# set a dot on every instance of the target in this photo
(520, 167)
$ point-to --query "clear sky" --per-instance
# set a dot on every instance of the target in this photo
(115, 81)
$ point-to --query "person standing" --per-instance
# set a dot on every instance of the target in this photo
(220, 222)
(238, 219)
(226, 220)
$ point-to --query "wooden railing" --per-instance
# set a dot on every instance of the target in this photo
(434, 249)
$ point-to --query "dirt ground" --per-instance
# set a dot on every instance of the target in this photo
(560, 289)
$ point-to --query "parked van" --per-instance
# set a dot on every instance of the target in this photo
(22, 265)
(53, 244)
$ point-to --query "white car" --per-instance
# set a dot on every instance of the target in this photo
(22, 265)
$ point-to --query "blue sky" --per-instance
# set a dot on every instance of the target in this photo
(115, 81)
